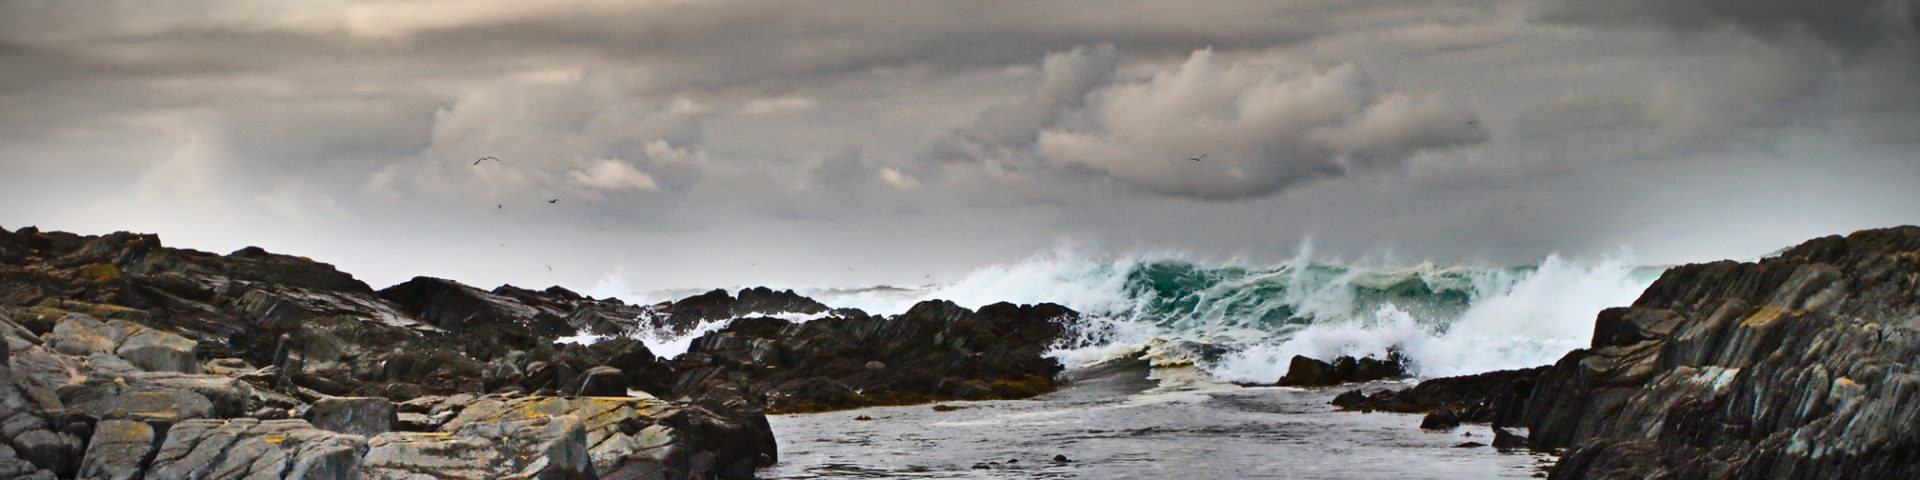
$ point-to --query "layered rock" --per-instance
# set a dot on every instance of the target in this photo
(1797, 366)
(936, 350)
(1492, 397)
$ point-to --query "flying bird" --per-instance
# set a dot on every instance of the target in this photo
(554, 201)
(499, 207)
(549, 268)
(1199, 157)
(482, 159)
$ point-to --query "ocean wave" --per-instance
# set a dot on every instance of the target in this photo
(1252, 320)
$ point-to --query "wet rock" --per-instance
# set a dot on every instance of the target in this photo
(1307, 372)
(1061, 459)
(935, 351)
(1492, 397)
(119, 450)
(364, 416)
(1469, 445)
(1505, 439)
(1442, 419)
(1795, 366)
(249, 448)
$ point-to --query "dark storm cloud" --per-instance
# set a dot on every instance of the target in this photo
(937, 136)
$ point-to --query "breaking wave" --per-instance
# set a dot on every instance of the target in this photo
(1244, 323)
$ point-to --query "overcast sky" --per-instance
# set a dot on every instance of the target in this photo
(792, 143)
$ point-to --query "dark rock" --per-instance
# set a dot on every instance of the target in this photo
(53, 451)
(363, 416)
(684, 315)
(1796, 366)
(1441, 419)
(1308, 372)
(601, 381)
(1504, 439)
(936, 350)
(1061, 459)
(1469, 445)
(1492, 397)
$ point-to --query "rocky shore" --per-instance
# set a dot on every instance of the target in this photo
(1797, 366)
(127, 359)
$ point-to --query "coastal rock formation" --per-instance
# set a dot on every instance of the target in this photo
(1307, 372)
(1796, 366)
(936, 350)
(1492, 397)
(123, 358)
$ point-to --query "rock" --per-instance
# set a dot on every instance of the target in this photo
(1442, 419)
(1061, 459)
(81, 335)
(1795, 366)
(255, 449)
(1350, 399)
(119, 450)
(1495, 397)
(158, 351)
(364, 416)
(935, 351)
(1308, 372)
(636, 437)
(1504, 439)
(159, 396)
(601, 381)
(56, 452)
(1469, 445)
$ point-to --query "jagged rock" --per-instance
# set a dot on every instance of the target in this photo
(938, 350)
(682, 316)
(81, 335)
(364, 416)
(158, 351)
(14, 467)
(159, 396)
(1495, 397)
(57, 452)
(1796, 366)
(119, 450)
(1307, 372)
(638, 437)
(254, 449)
(601, 381)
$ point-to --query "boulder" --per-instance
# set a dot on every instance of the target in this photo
(119, 450)
(637, 437)
(158, 351)
(1442, 419)
(1308, 372)
(80, 335)
(56, 452)
(159, 396)
(246, 448)
(364, 416)
(601, 381)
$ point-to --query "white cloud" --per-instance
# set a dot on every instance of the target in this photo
(612, 174)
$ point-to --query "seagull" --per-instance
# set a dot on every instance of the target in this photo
(549, 268)
(499, 207)
(554, 201)
(482, 159)
(1199, 157)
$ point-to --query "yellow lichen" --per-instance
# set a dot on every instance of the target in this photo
(100, 272)
(1763, 316)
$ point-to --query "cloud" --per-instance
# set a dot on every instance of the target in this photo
(1262, 127)
(613, 174)
(776, 105)
(1848, 24)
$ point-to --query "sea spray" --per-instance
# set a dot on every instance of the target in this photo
(1445, 320)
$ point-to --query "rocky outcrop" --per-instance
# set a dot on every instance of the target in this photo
(1307, 372)
(1492, 397)
(936, 350)
(255, 449)
(684, 315)
(1797, 366)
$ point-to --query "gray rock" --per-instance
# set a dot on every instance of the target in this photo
(364, 416)
(81, 335)
(1797, 366)
(548, 447)
(118, 451)
(53, 451)
(159, 351)
(246, 448)
(160, 396)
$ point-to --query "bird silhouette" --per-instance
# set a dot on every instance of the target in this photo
(482, 159)
(1199, 157)
(554, 201)
(499, 207)
(549, 268)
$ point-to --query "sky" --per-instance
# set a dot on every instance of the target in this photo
(687, 144)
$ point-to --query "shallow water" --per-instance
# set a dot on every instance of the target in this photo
(1121, 425)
